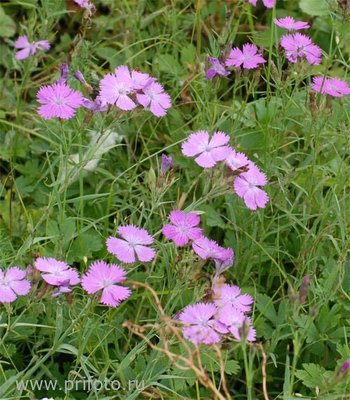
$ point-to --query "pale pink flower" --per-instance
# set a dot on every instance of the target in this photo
(248, 57)
(140, 80)
(56, 273)
(183, 227)
(13, 284)
(87, 4)
(231, 294)
(235, 321)
(133, 246)
(247, 186)
(117, 88)
(155, 98)
(103, 277)
(217, 68)
(58, 100)
(28, 48)
(236, 160)
(200, 326)
(299, 46)
(208, 151)
(331, 86)
(291, 24)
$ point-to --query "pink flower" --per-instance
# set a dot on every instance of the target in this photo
(58, 100)
(101, 276)
(267, 3)
(87, 4)
(298, 46)
(248, 57)
(201, 327)
(183, 227)
(97, 105)
(56, 273)
(247, 186)
(236, 160)
(206, 248)
(13, 284)
(155, 98)
(291, 24)
(235, 321)
(331, 86)
(207, 151)
(224, 260)
(140, 79)
(27, 48)
(217, 68)
(133, 246)
(116, 88)
(167, 163)
(231, 294)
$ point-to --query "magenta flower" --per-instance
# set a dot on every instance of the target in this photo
(236, 160)
(345, 367)
(167, 163)
(247, 186)
(97, 105)
(117, 88)
(101, 276)
(291, 24)
(58, 100)
(201, 327)
(301, 46)
(267, 3)
(331, 86)
(207, 151)
(217, 68)
(231, 294)
(13, 284)
(183, 227)
(235, 321)
(132, 246)
(155, 98)
(27, 48)
(248, 58)
(56, 273)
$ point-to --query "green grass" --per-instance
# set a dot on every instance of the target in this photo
(301, 142)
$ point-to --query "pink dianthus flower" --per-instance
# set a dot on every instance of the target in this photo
(13, 284)
(56, 273)
(235, 321)
(58, 100)
(155, 98)
(248, 57)
(217, 68)
(231, 294)
(298, 46)
(29, 48)
(332, 86)
(103, 277)
(117, 87)
(291, 24)
(208, 151)
(133, 245)
(200, 326)
(267, 3)
(183, 227)
(247, 186)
